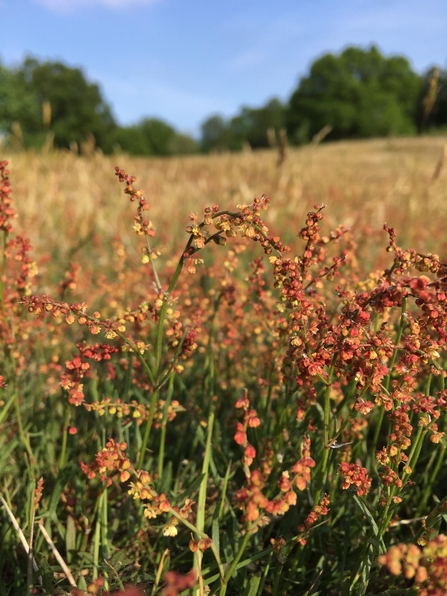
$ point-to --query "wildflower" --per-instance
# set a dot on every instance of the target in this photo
(356, 476)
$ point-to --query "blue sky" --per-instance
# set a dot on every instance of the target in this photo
(183, 60)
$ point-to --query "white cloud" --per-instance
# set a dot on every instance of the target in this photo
(72, 5)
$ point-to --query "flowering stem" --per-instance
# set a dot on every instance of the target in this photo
(201, 503)
(158, 354)
(164, 306)
(147, 430)
(103, 514)
(415, 450)
(201, 534)
(412, 461)
(326, 429)
(136, 351)
(62, 455)
(151, 261)
(96, 542)
(161, 453)
(387, 381)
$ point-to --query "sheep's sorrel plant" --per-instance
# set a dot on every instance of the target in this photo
(245, 425)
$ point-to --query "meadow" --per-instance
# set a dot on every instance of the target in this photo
(230, 377)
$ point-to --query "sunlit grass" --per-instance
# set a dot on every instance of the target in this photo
(269, 420)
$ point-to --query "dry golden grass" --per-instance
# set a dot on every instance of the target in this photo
(62, 198)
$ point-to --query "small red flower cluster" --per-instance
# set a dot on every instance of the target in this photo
(142, 226)
(302, 468)
(109, 460)
(7, 213)
(175, 583)
(318, 510)
(356, 476)
(74, 312)
(250, 420)
(76, 369)
(428, 567)
(251, 498)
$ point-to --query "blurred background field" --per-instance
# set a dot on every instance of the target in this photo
(64, 201)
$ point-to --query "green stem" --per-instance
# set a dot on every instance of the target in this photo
(104, 529)
(326, 432)
(412, 461)
(159, 342)
(135, 350)
(201, 503)
(434, 474)
(196, 530)
(147, 430)
(62, 457)
(96, 542)
(164, 424)
(387, 381)
(24, 438)
(151, 260)
(237, 558)
(432, 518)
(440, 459)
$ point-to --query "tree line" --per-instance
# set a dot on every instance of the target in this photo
(358, 93)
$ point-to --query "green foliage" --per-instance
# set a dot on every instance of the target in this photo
(76, 110)
(159, 135)
(360, 93)
(252, 124)
(77, 106)
(216, 135)
(250, 127)
(154, 137)
(16, 105)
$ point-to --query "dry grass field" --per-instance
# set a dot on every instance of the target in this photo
(60, 198)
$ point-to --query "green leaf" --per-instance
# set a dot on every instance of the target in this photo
(70, 538)
(366, 512)
(253, 585)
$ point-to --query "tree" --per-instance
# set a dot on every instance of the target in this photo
(158, 135)
(153, 137)
(360, 93)
(249, 126)
(257, 121)
(77, 106)
(17, 104)
(216, 134)
(131, 140)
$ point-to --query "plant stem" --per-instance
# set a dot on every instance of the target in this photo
(326, 429)
(62, 456)
(159, 342)
(161, 452)
(237, 558)
(387, 381)
(147, 430)
(201, 503)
